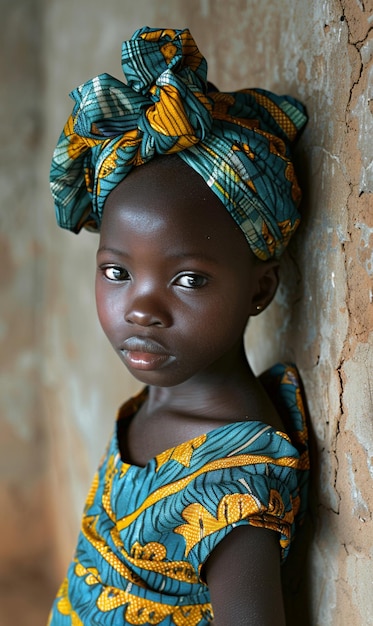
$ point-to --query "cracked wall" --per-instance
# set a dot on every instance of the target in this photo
(55, 422)
(329, 316)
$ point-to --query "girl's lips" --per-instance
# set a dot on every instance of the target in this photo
(144, 354)
(145, 360)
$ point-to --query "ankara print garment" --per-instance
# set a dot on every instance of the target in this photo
(147, 531)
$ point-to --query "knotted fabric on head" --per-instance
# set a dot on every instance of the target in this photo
(238, 142)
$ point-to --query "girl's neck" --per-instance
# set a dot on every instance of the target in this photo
(174, 415)
(220, 393)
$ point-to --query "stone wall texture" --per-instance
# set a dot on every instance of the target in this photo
(61, 385)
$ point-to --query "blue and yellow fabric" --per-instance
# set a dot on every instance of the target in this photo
(239, 142)
(147, 531)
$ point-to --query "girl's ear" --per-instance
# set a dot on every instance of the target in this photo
(267, 283)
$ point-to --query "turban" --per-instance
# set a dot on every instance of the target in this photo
(239, 142)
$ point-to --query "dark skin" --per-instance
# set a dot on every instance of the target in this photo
(176, 285)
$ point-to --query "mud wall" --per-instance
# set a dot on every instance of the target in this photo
(60, 383)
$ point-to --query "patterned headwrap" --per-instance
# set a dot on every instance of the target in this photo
(238, 142)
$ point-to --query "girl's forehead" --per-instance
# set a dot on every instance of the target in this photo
(167, 199)
(167, 188)
(164, 177)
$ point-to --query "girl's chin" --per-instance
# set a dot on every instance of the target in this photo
(155, 374)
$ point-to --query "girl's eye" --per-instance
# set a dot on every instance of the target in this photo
(115, 273)
(191, 281)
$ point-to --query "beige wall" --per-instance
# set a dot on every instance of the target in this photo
(60, 384)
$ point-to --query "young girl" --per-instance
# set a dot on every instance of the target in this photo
(194, 193)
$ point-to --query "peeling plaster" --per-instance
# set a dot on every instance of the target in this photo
(365, 250)
(359, 568)
(358, 397)
(358, 503)
(363, 112)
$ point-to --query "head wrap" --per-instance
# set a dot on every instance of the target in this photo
(238, 142)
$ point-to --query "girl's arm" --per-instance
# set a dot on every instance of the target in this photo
(243, 575)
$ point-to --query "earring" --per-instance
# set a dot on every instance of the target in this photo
(259, 307)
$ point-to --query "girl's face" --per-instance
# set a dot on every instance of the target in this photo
(176, 280)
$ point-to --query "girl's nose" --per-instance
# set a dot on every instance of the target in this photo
(147, 310)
